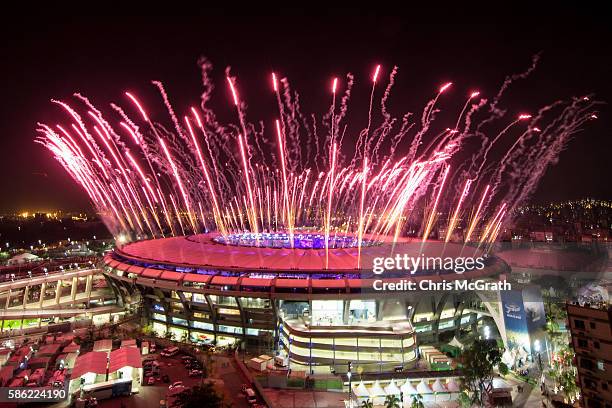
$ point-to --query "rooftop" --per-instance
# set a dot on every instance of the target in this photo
(203, 251)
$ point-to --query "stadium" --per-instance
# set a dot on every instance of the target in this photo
(316, 307)
(320, 209)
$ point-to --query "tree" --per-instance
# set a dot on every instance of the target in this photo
(417, 401)
(464, 400)
(563, 372)
(367, 404)
(479, 361)
(203, 396)
(392, 401)
(147, 330)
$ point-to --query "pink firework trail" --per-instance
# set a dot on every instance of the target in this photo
(239, 178)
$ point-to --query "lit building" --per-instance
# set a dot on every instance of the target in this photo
(591, 329)
(318, 309)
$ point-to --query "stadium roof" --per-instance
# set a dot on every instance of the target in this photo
(201, 251)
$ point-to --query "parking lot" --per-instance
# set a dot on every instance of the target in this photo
(150, 395)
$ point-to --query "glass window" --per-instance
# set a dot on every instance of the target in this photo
(202, 325)
(179, 321)
(230, 329)
(159, 316)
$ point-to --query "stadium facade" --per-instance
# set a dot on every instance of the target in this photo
(314, 306)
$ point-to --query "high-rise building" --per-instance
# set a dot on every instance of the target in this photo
(591, 329)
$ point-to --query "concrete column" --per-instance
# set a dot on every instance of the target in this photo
(345, 311)
(8, 299)
(41, 298)
(213, 315)
(242, 317)
(26, 290)
(58, 291)
(73, 290)
(88, 285)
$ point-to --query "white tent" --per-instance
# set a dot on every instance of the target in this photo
(392, 389)
(376, 390)
(361, 391)
(377, 393)
(438, 386)
(452, 386)
(423, 388)
(408, 389)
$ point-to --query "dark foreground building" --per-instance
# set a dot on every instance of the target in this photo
(591, 329)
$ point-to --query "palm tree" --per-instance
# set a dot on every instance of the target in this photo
(367, 404)
(392, 401)
(417, 401)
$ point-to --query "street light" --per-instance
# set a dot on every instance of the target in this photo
(349, 374)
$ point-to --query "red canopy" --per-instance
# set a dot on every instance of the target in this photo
(92, 362)
(172, 276)
(151, 273)
(135, 269)
(124, 357)
(196, 277)
(224, 280)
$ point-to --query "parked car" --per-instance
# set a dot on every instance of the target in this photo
(194, 366)
(175, 384)
(195, 373)
(187, 359)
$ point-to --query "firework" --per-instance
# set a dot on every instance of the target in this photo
(203, 175)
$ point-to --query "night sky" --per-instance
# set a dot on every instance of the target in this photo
(104, 57)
